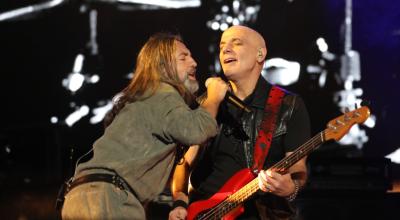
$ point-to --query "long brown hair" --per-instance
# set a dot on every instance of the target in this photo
(155, 63)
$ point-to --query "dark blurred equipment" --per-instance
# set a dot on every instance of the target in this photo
(349, 174)
(348, 188)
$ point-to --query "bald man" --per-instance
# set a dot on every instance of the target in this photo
(242, 55)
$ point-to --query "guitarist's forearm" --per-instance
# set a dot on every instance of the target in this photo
(180, 177)
(179, 183)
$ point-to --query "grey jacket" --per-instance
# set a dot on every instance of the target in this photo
(140, 144)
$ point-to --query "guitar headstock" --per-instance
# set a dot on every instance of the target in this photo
(339, 126)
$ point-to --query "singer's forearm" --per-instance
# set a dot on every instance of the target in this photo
(211, 106)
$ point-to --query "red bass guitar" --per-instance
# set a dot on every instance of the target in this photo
(227, 203)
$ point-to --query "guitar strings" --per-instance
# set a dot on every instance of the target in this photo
(252, 186)
(221, 209)
(294, 157)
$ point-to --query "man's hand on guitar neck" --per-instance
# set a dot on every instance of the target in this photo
(275, 183)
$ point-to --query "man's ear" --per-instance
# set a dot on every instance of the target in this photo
(261, 54)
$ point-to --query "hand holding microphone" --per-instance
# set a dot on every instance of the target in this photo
(227, 95)
(216, 89)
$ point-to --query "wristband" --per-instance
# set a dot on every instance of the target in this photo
(179, 203)
(293, 196)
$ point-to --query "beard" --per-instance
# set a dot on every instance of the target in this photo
(191, 85)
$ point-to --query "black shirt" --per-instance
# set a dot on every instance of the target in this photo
(226, 155)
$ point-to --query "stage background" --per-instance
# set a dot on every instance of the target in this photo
(38, 52)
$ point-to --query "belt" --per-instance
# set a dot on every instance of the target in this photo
(100, 177)
(114, 179)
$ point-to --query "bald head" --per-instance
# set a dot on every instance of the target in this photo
(253, 36)
(242, 53)
(251, 39)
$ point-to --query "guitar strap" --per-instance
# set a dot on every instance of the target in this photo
(267, 127)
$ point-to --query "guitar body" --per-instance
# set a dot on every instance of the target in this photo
(236, 182)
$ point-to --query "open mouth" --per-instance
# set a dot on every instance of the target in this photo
(192, 75)
(229, 60)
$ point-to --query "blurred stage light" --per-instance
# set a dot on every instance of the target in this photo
(225, 8)
(322, 45)
(371, 121)
(175, 4)
(350, 66)
(7, 149)
(223, 26)
(77, 68)
(355, 136)
(234, 13)
(348, 98)
(235, 5)
(28, 10)
(235, 21)
(229, 19)
(74, 82)
(314, 69)
(215, 25)
(100, 112)
(320, 71)
(251, 10)
(76, 79)
(281, 72)
(54, 120)
(77, 115)
(395, 156)
(94, 79)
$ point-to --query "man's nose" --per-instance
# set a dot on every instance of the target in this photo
(227, 49)
(193, 63)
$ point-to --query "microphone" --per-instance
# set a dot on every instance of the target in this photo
(234, 100)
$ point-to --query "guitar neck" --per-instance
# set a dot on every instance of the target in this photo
(300, 152)
(250, 188)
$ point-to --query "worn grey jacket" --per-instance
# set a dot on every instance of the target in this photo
(140, 144)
